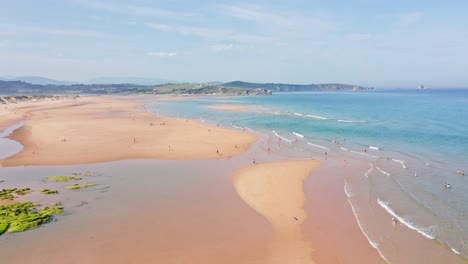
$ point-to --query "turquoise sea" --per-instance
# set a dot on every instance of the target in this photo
(414, 142)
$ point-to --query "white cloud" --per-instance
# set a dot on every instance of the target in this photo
(190, 30)
(126, 9)
(359, 37)
(54, 31)
(217, 34)
(282, 19)
(7, 33)
(162, 54)
(410, 18)
(222, 47)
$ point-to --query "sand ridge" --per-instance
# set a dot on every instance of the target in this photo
(100, 129)
(274, 189)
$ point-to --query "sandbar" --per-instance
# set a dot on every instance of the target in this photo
(275, 190)
(229, 107)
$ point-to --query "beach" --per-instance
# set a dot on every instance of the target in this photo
(100, 129)
(174, 189)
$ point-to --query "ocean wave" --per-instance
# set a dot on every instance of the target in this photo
(351, 121)
(369, 171)
(345, 149)
(251, 130)
(401, 162)
(374, 148)
(373, 243)
(236, 126)
(318, 146)
(318, 117)
(382, 171)
(312, 116)
(362, 153)
(283, 138)
(299, 135)
(407, 222)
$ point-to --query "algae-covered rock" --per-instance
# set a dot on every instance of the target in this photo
(47, 191)
(20, 216)
(62, 178)
(7, 194)
(23, 191)
(79, 186)
(3, 226)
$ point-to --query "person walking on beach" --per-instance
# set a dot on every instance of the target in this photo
(395, 221)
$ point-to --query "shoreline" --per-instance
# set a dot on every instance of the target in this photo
(262, 157)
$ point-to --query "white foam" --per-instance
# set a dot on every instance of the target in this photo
(347, 191)
(384, 172)
(318, 117)
(408, 223)
(312, 116)
(401, 162)
(374, 148)
(236, 126)
(298, 135)
(283, 138)
(251, 130)
(318, 146)
(456, 251)
(351, 121)
(373, 243)
(362, 153)
(369, 171)
(345, 149)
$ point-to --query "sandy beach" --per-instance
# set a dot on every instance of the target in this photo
(229, 107)
(197, 182)
(275, 190)
(99, 129)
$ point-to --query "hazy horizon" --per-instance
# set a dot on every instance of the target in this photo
(368, 43)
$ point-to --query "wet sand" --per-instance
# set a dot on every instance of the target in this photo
(180, 211)
(100, 129)
(229, 107)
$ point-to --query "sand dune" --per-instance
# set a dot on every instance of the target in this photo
(275, 190)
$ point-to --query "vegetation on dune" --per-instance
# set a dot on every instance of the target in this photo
(7, 194)
(62, 178)
(79, 186)
(21, 216)
(47, 191)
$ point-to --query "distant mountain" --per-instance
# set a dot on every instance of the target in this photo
(36, 80)
(19, 87)
(127, 80)
(281, 87)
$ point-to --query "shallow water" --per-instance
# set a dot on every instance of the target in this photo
(412, 142)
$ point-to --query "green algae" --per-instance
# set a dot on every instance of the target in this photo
(62, 178)
(7, 194)
(21, 216)
(79, 186)
(47, 191)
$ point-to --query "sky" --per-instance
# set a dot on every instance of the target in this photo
(379, 43)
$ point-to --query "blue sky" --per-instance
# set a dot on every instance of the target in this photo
(368, 42)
